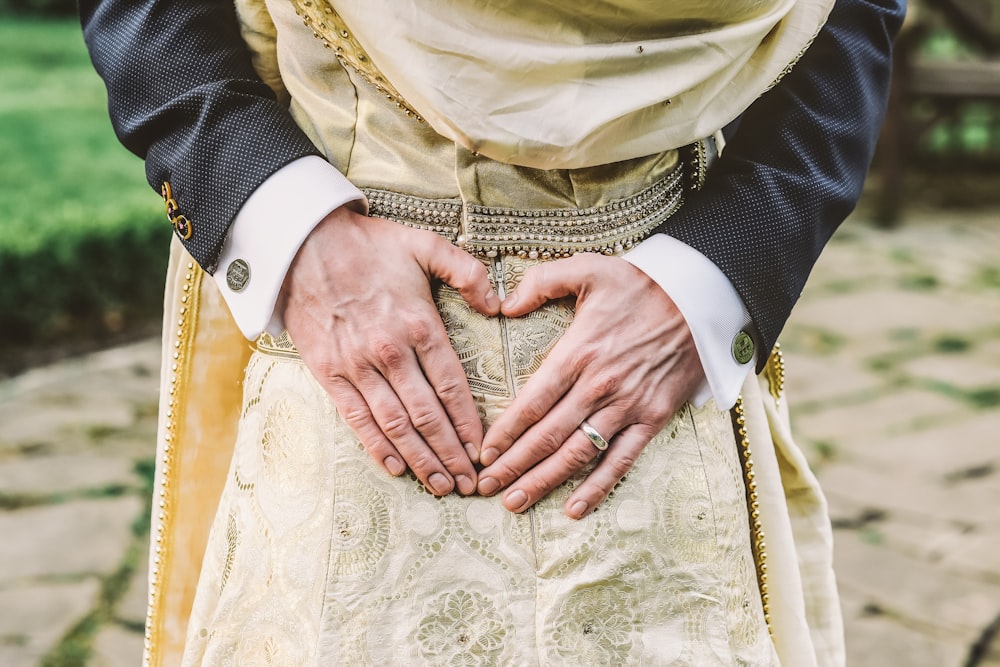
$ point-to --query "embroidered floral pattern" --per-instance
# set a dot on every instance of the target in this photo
(362, 528)
(595, 624)
(462, 628)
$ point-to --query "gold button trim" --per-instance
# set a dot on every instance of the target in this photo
(164, 497)
(757, 543)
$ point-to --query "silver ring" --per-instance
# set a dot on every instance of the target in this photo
(594, 436)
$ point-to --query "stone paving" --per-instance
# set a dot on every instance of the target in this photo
(893, 359)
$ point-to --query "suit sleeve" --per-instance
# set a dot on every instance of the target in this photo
(183, 95)
(794, 168)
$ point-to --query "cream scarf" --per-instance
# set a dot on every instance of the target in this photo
(550, 84)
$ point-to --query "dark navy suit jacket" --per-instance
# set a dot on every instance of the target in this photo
(183, 95)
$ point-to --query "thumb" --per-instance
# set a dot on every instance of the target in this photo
(464, 272)
(548, 281)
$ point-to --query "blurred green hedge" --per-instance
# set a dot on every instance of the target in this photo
(83, 239)
(38, 7)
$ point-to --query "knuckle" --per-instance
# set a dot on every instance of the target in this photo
(577, 457)
(537, 487)
(606, 384)
(621, 463)
(356, 416)
(426, 420)
(548, 443)
(397, 426)
(450, 389)
(532, 413)
(423, 464)
(419, 332)
(389, 353)
(476, 274)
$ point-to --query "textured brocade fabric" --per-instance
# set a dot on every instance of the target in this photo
(317, 557)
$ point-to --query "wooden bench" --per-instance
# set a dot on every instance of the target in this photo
(943, 86)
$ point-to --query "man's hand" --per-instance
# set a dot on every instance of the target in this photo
(357, 303)
(625, 365)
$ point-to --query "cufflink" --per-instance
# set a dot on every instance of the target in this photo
(180, 223)
(238, 275)
(743, 348)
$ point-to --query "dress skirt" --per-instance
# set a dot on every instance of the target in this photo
(318, 557)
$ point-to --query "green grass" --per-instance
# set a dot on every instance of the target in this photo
(83, 240)
(64, 166)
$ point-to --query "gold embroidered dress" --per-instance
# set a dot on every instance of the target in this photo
(315, 555)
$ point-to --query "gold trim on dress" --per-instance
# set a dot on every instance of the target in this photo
(758, 545)
(328, 27)
(774, 371)
(163, 497)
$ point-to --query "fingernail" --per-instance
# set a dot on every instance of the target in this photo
(472, 451)
(510, 300)
(515, 500)
(578, 509)
(487, 457)
(488, 486)
(393, 465)
(465, 485)
(492, 300)
(439, 484)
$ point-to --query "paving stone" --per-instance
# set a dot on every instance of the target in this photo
(43, 476)
(33, 619)
(907, 494)
(810, 379)
(74, 538)
(917, 593)
(878, 641)
(950, 453)
(975, 552)
(115, 646)
(964, 371)
(872, 313)
(131, 608)
(78, 400)
(867, 422)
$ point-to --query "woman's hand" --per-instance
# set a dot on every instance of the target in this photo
(357, 303)
(625, 365)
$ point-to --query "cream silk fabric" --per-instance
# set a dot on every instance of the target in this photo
(317, 557)
(554, 84)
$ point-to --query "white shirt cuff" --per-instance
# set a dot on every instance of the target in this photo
(267, 233)
(712, 308)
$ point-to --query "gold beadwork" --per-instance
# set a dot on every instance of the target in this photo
(328, 27)
(758, 545)
(183, 339)
(774, 371)
(490, 231)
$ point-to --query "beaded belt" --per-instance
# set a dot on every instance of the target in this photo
(489, 231)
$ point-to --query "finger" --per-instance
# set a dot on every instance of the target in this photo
(394, 421)
(424, 414)
(575, 454)
(620, 457)
(548, 281)
(559, 374)
(461, 271)
(355, 412)
(445, 374)
(546, 439)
